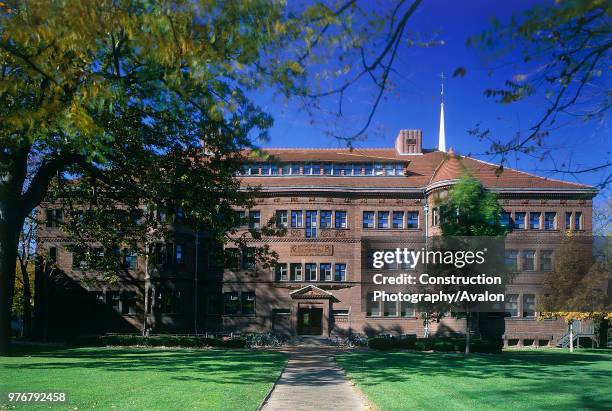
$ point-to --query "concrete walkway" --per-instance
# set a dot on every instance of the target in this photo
(313, 381)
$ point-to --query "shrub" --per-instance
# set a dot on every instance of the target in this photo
(164, 340)
(441, 344)
(392, 343)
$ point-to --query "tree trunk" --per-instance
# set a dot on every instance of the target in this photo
(603, 333)
(10, 227)
(467, 334)
(27, 303)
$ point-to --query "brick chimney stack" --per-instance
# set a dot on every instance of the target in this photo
(409, 142)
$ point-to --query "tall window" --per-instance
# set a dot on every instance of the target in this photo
(312, 168)
(113, 298)
(248, 303)
(326, 271)
(407, 309)
(328, 169)
(369, 169)
(577, 220)
(281, 272)
(534, 221)
(383, 219)
(412, 220)
(326, 219)
(311, 223)
(179, 254)
(53, 254)
(310, 271)
(398, 219)
(340, 272)
(511, 260)
(368, 219)
(546, 260)
(528, 305)
(130, 259)
(435, 217)
(505, 219)
(347, 169)
(519, 221)
(528, 260)
(254, 219)
(549, 220)
(340, 220)
(296, 272)
(390, 169)
(296, 219)
(373, 307)
(511, 305)
(248, 258)
(128, 303)
(232, 303)
(281, 219)
(268, 169)
(568, 220)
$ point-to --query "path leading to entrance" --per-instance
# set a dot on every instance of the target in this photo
(313, 381)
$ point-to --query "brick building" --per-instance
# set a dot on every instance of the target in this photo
(335, 205)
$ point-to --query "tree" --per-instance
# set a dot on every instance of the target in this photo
(113, 108)
(470, 221)
(26, 255)
(564, 52)
(577, 286)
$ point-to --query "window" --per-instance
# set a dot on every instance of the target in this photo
(534, 221)
(179, 254)
(400, 170)
(390, 169)
(326, 271)
(577, 220)
(281, 311)
(53, 218)
(242, 218)
(128, 305)
(326, 219)
(269, 169)
(568, 220)
(528, 260)
(505, 219)
(550, 218)
(281, 219)
(379, 169)
(528, 305)
(296, 219)
(312, 168)
(435, 217)
(233, 259)
(113, 299)
(310, 271)
(291, 169)
(248, 303)
(59, 218)
(296, 272)
(98, 296)
(281, 272)
(357, 169)
(254, 219)
(340, 313)
(519, 221)
(383, 219)
(398, 219)
(373, 307)
(48, 217)
(407, 309)
(546, 260)
(53, 255)
(130, 259)
(328, 169)
(232, 303)
(78, 263)
(368, 219)
(511, 260)
(390, 309)
(311, 223)
(340, 219)
(169, 254)
(214, 305)
(340, 271)
(248, 258)
(369, 169)
(413, 219)
(347, 169)
(511, 305)
(169, 301)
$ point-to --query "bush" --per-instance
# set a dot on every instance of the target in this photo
(392, 343)
(441, 344)
(159, 341)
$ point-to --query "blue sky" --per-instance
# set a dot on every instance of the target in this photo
(414, 103)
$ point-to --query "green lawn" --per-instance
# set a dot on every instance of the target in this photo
(515, 380)
(139, 379)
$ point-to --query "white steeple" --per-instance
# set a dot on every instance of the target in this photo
(442, 135)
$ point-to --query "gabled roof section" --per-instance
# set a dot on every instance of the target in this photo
(311, 292)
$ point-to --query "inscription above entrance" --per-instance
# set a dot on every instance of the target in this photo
(312, 249)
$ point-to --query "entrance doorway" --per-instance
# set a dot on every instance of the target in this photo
(310, 321)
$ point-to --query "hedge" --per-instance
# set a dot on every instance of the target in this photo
(444, 344)
(160, 341)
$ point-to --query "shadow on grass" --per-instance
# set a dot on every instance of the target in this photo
(208, 365)
(580, 380)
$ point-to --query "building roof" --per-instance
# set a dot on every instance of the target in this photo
(423, 171)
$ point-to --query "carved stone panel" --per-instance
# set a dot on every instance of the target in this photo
(311, 249)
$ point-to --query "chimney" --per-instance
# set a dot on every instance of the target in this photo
(409, 142)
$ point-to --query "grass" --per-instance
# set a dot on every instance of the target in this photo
(138, 379)
(516, 380)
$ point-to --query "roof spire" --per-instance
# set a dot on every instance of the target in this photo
(442, 135)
